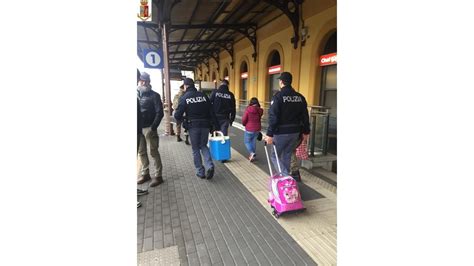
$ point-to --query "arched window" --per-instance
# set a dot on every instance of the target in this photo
(244, 80)
(274, 69)
(331, 44)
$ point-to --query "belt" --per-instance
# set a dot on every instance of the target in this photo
(290, 125)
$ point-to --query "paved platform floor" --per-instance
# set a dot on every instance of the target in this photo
(237, 136)
(226, 220)
(315, 229)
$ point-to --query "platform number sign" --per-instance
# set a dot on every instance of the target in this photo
(153, 58)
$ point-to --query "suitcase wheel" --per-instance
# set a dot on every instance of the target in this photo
(276, 214)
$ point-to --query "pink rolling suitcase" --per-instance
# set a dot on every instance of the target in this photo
(284, 195)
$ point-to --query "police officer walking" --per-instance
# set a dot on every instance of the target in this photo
(223, 105)
(288, 118)
(199, 120)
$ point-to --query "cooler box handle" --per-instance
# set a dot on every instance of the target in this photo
(220, 137)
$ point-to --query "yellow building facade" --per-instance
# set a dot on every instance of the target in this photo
(320, 23)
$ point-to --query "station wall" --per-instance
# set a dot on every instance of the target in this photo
(319, 17)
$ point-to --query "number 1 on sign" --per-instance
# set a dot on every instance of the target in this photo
(153, 59)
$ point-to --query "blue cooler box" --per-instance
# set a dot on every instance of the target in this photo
(219, 147)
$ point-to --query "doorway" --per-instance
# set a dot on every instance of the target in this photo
(329, 91)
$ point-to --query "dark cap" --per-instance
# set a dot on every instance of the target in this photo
(145, 76)
(188, 81)
(225, 82)
(286, 76)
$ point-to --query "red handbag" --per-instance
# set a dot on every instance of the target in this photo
(302, 151)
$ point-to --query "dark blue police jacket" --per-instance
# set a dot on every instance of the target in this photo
(194, 109)
(288, 113)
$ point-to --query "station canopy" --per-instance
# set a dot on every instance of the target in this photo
(198, 30)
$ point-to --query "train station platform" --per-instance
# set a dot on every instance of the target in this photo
(227, 220)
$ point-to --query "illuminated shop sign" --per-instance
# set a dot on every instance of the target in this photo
(274, 70)
(328, 59)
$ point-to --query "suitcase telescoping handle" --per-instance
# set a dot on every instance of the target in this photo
(268, 158)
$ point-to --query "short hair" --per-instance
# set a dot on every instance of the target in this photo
(286, 77)
(188, 82)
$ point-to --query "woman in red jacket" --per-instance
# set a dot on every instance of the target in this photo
(252, 122)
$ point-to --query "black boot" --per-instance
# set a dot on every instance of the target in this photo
(179, 138)
(187, 141)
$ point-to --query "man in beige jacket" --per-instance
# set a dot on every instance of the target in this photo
(178, 124)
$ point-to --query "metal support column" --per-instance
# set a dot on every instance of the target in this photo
(164, 33)
(162, 82)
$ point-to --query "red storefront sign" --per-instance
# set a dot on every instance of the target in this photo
(328, 59)
(274, 70)
(244, 75)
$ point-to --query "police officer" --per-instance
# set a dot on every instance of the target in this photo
(223, 105)
(288, 118)
(151, 110)
(199, 120)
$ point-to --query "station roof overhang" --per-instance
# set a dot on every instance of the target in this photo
(198, 30)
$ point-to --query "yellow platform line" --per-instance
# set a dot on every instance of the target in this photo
(315, 230)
